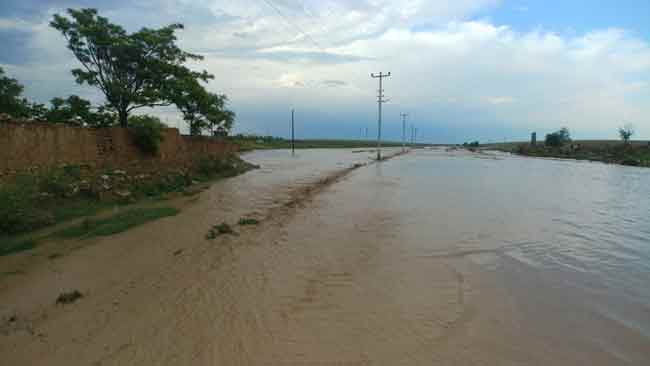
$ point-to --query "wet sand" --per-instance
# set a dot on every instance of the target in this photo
(339, 272)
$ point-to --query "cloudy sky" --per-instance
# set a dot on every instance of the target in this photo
(463, 69)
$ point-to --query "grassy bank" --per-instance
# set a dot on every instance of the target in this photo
(34, 201)
(269, 142)
(613, 152)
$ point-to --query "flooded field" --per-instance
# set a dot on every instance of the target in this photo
(430, 258)
(454, 258)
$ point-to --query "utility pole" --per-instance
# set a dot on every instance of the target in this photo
(380, 100)
(293, 136)
(415, 137)
(412, 135)
(404, 115)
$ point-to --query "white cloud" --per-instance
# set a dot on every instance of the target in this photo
(447, 68)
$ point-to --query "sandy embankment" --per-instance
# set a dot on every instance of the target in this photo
(157, 294)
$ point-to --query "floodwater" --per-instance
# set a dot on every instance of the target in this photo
(455, 258)
(429, 258)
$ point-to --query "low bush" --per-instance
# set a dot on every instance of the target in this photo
(18, 212)
(147, 132)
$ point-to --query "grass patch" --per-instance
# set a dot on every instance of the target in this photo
(13, 245)
(32, 201)
(117, 223)
(248, 221)
(78, 208)
(12, 273)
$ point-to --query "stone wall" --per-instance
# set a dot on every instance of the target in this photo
(40, 146)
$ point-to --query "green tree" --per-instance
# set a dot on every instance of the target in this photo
(626, 132)
(558, 138)
(203, 110)
(77, 111)
(11, 99)
(132, 70)
(73, 110)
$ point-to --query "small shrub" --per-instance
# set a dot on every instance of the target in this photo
(57, 183)
(209, 167)
(18, 207)
(217, 230)
(73, 171)
(69, 297)
(626, 132)
(248, 221)
(224, 228)
(147, 132)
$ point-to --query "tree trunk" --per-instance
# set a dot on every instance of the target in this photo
(124, 118)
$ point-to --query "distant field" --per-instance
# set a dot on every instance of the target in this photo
(249, 143)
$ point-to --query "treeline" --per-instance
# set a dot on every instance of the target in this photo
(132, 70)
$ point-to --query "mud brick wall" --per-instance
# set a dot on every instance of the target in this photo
(32, 146)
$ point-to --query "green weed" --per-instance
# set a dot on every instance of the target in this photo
(248, 221)
(117, 223)
(11, 246)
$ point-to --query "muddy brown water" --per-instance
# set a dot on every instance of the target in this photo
(431, 258)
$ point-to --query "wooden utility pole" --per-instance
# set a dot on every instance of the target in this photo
(380, 100)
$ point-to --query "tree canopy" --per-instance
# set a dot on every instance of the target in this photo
(77, 111)
(11, 99)
(202, 110)
(141, 69)
(558, 138)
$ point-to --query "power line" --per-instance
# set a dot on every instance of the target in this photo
(296, 26)
(380, 100)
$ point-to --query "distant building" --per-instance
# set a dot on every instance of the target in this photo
(533, 138)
